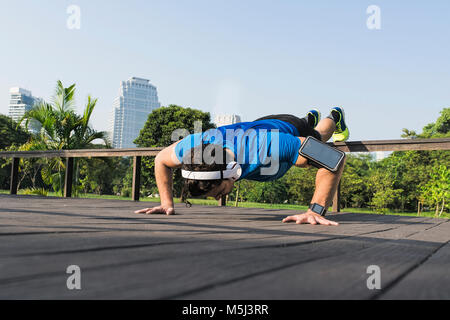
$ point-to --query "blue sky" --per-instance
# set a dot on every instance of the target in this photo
(247, 57)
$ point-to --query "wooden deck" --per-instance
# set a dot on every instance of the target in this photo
(207, 252)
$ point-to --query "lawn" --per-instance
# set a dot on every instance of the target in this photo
(212, 202)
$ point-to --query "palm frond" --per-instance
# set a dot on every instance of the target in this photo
(64, 99)
(61, 126)
(43, 114)
(94, 135)
(88, 110)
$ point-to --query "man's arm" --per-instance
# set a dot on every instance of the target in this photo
(326, 186)
(165, 161)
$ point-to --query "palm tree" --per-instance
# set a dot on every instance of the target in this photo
(61, 128)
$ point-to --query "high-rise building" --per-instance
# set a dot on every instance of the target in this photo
(137, 99)
(226, 119)
(21, 101)
(380, 155)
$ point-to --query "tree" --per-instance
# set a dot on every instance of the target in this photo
(263, 192)
(424, 167)
(385, 194)
(157, 132)
(437, 189)
(438, 129)
(354, 189)
(61, 128)
(10, 135)
(97, 175)
(301, 184)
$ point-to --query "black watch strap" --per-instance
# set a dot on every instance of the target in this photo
(317, 208)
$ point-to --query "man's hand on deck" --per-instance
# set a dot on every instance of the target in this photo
(169, 210)
(311, 218)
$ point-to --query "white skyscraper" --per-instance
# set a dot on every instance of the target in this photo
(21, 100)
(137, 98)
(226, 119)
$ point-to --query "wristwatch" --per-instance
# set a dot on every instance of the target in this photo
(317, 208)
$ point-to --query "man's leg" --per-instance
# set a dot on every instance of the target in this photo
(326, 128)
(326, 181)
(334, 126)
(326, 186)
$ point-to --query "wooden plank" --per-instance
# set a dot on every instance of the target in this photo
(339, 277)
(170, 271)
(59, 211)
(103, 215)
(349, 146)
(225, 237)
(429, 279)
(201, 251)
(14, 175)
(393, 145)
(136, 186)
(57, 215)
(83, 153)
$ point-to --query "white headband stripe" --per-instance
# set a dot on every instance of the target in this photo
(233, 171)
(200, 175)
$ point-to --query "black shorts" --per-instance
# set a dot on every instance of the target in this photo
(301, 124)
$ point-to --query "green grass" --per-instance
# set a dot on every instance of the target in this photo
(397, 213)
(211, 202)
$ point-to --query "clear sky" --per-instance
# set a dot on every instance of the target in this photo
(250, 57)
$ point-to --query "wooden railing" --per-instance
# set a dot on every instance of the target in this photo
(138, 153)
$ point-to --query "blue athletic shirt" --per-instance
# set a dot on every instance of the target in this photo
(265, 149)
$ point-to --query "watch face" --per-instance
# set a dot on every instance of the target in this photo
(317, 208)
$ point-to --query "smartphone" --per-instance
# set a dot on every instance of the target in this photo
(321, 155)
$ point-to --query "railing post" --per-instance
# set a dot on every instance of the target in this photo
(14, 175)
(136, 178)
(68, 178)
(337, 199)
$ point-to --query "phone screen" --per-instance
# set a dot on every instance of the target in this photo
(323, 153)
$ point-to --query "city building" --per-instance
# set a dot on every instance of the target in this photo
(376, 155)
(380, 155)
(226, 119)
(21, 100)
(137, 99)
